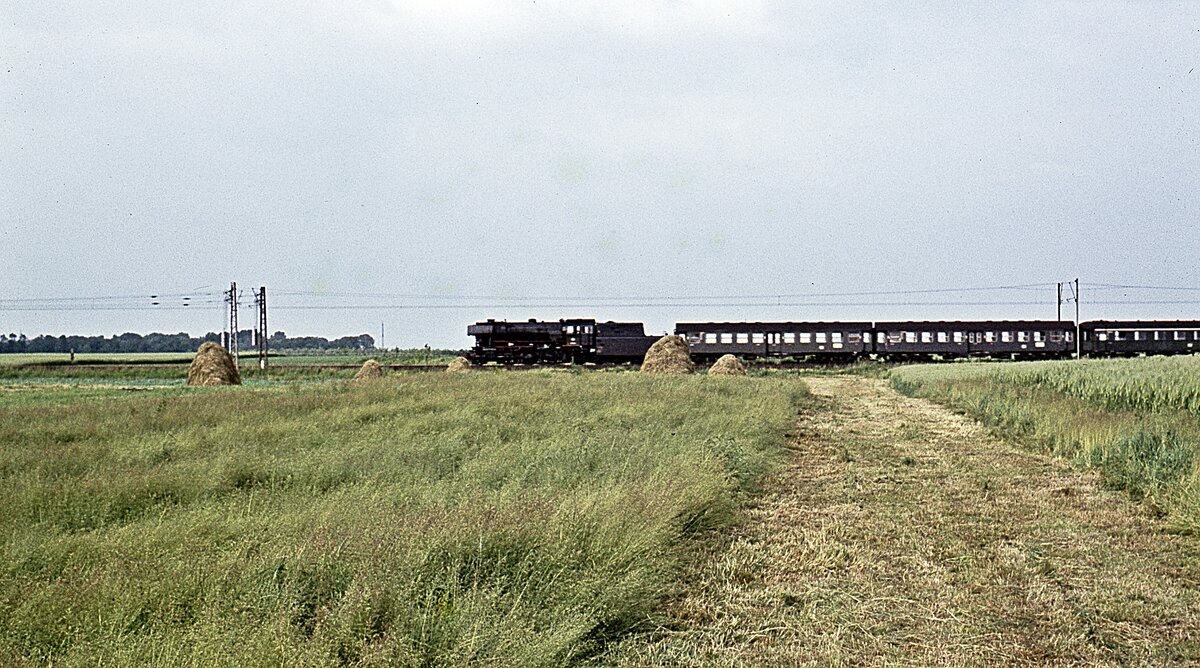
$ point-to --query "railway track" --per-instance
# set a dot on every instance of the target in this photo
(391, 367)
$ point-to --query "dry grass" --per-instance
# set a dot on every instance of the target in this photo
(903, 534)
(213, 366)
(371, 370)
(459, 364)
(728, 365)
(670, 356)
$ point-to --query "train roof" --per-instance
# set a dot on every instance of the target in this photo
(975, 324)
(857, 325)
(766, 326)
(1141, 324)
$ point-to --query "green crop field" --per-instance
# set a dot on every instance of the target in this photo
(287, 358)
(1136, 420)
(21, 359)
(425, 519)
(166, 368)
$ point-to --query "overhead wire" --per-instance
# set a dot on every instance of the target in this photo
(583, 298)
(346, 300)
(532, 305)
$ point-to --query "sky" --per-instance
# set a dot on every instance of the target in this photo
(424, 165)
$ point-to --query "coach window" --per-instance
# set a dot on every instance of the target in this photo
(959, 337)
(756, 337)
(989, 337)
(1138, 336)
(1069, 336)
(743, 337)
(789, 337)
(1006, 337)
(805, 337)
(836, 337)
(1023, 337)
(726, 337)
(926, 337)
(1039, 336)
(943, 337)
(710, 337)
(1181, 336)
(820, 337)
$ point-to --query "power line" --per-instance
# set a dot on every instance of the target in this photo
(180, 301)
(131, 307)
(335, 307)
(1146, 301)
(590, 298)
(1110, 286)
(149, 295)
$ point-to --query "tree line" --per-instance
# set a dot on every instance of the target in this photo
(182, 342)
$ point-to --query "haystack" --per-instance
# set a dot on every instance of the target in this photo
(668, 355)
(213, 366)
(728, 365)
(459, 364)
(370, 371)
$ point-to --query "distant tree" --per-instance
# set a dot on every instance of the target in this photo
(157, 342)
(360, 342)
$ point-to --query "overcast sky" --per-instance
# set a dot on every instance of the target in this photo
(565, 150)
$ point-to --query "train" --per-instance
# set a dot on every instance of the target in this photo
(575, 341)
(587, 341)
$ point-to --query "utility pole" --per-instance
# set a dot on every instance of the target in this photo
(260, 300)
(381, 346)
(232, 299)
(1078, 343)
(1059, 301)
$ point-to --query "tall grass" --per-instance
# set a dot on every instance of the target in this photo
(504, 519)
(1136, 420)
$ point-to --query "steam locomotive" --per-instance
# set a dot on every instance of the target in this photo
(589, 341)
(576, 341)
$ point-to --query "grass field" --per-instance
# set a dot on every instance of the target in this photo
(413, 356)
(167, 368)
(902, 534)
(21, 359)
(501, 519)
(1136, 420)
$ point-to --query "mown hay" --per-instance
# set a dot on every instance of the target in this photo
(213, 366)
(370, 371)
(728, 365)
(459, 364)
(668, 355)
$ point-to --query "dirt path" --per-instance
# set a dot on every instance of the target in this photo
(904, 534)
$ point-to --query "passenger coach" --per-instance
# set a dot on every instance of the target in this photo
(827, 340)
(1115, 338)
(1024, 339)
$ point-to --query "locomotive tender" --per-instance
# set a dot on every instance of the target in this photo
(584, 340)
